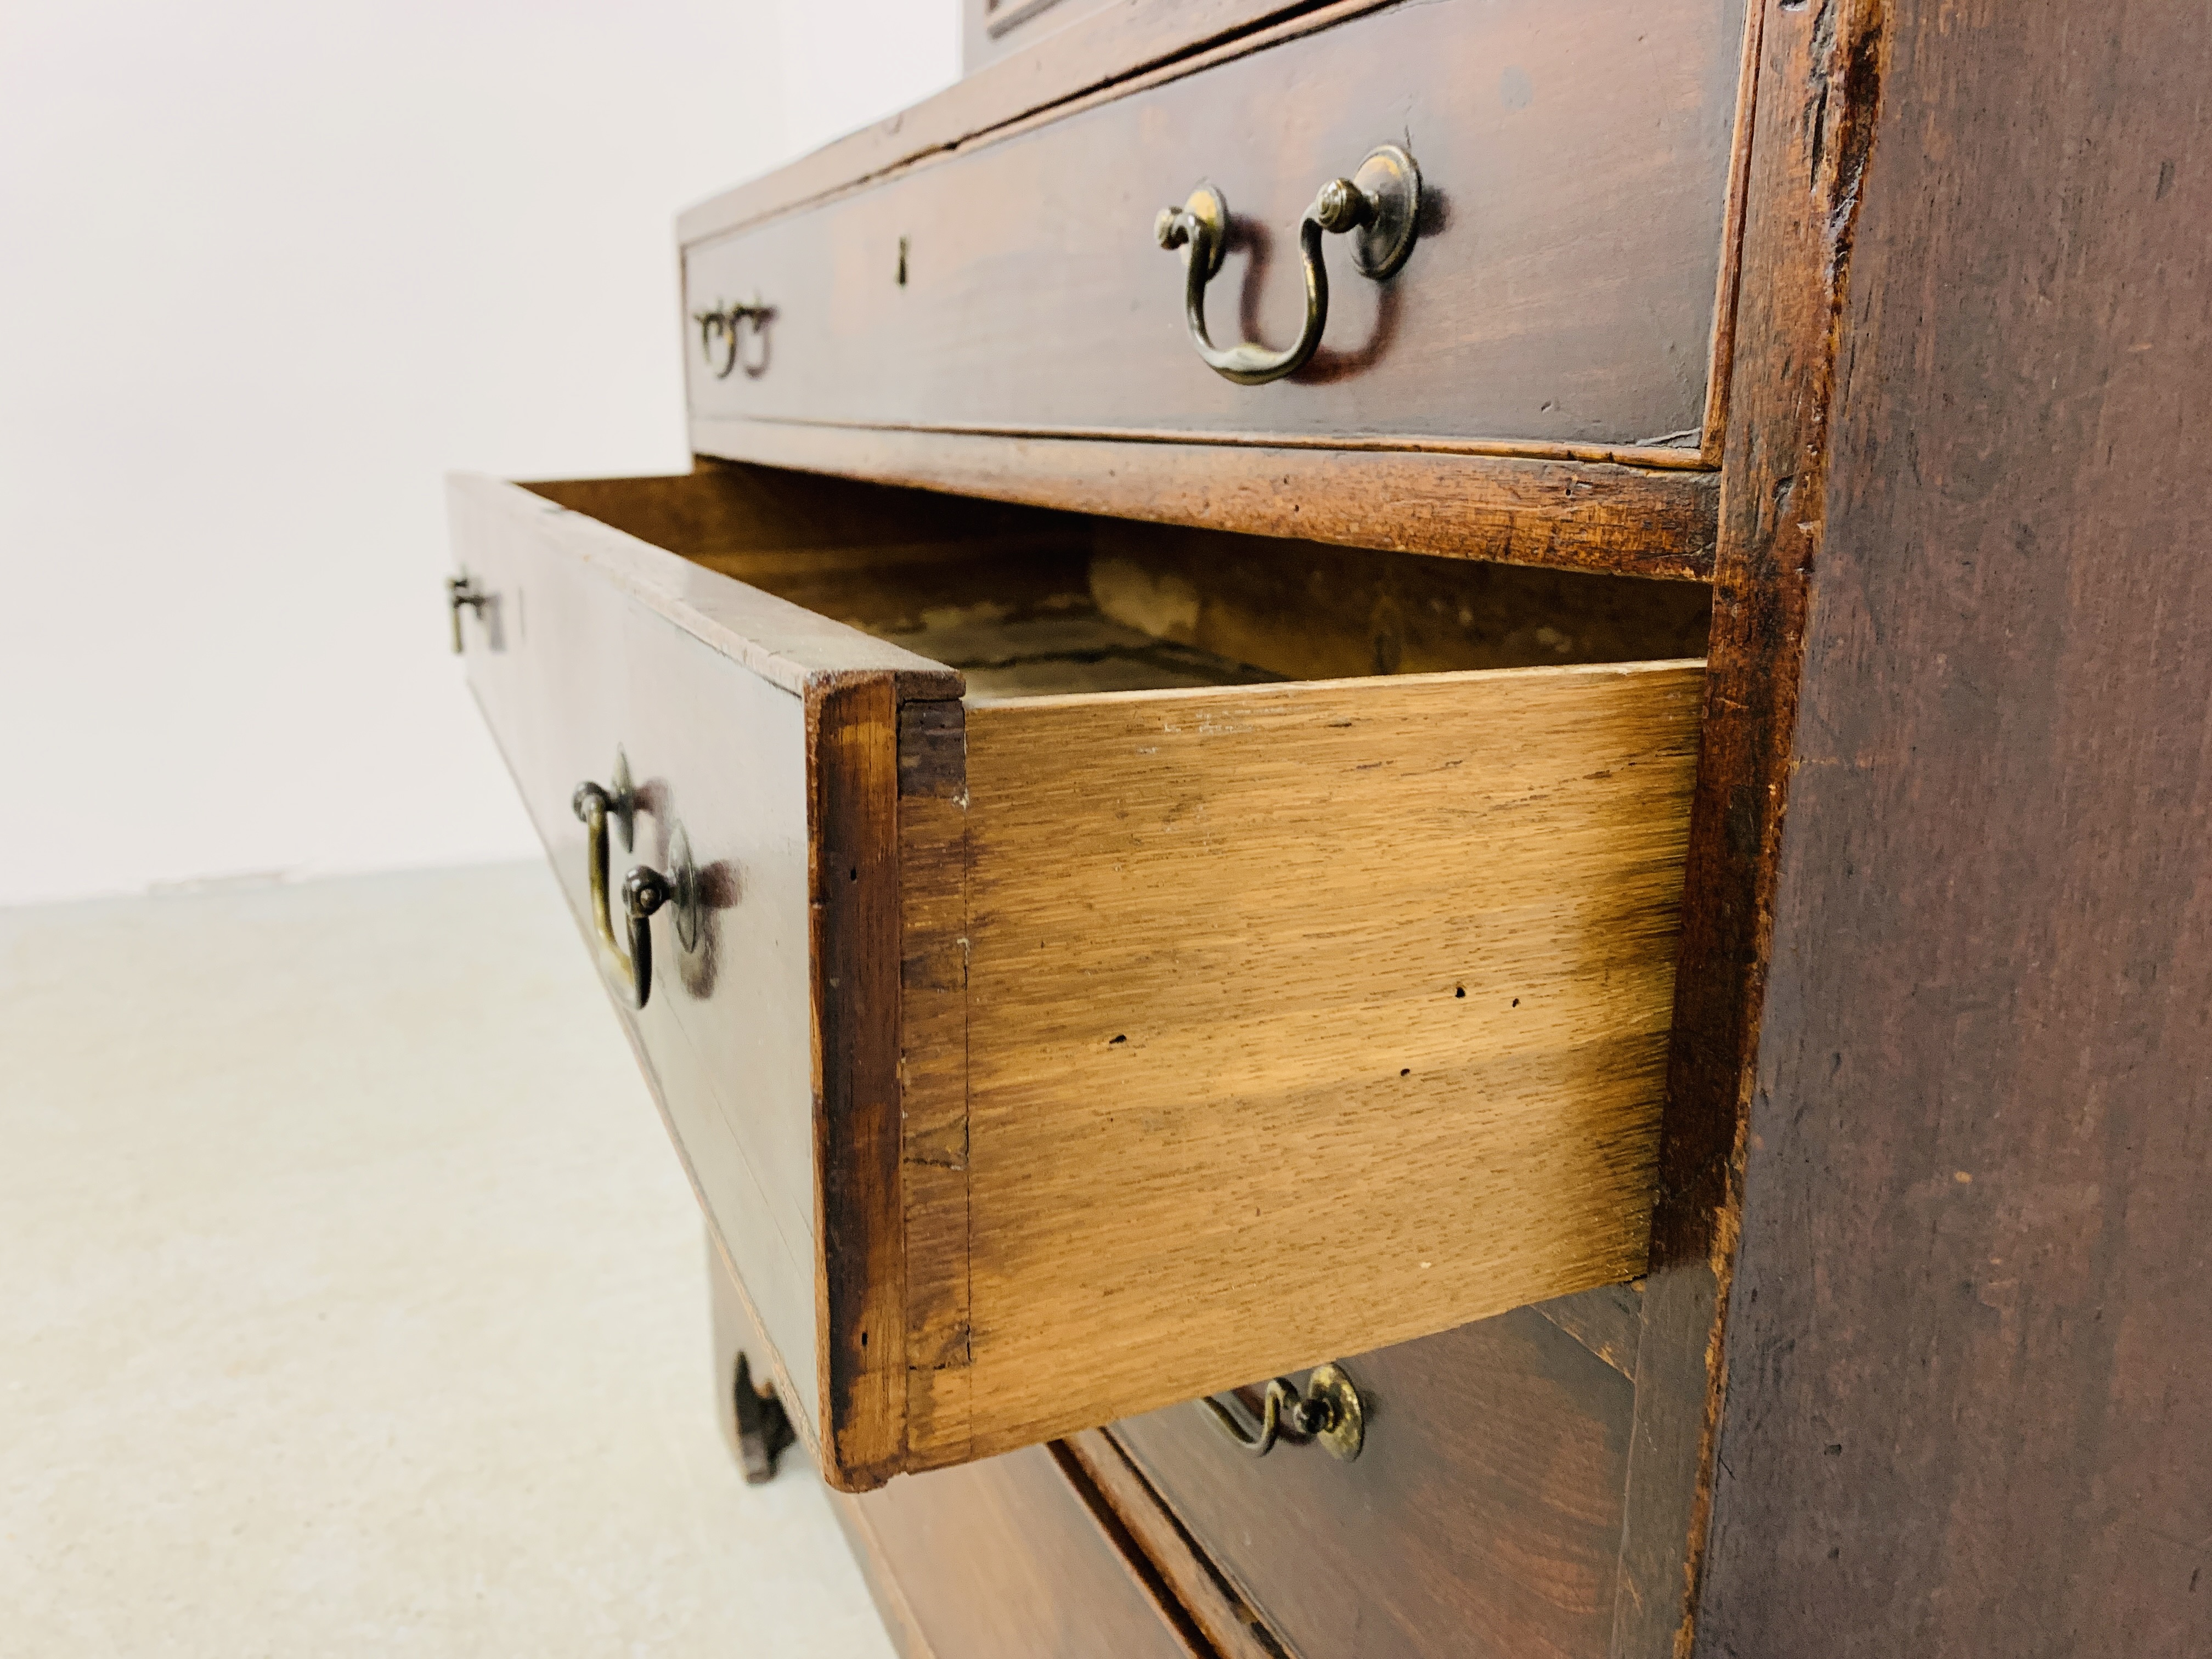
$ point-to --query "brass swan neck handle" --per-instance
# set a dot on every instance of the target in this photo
(644, 892)
(1331, 1412)
(727, 325)
(462, 594)
(1381, 202)
(628, 964)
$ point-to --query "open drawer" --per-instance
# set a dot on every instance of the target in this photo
(1086, 965)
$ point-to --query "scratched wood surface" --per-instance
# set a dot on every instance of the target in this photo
(1969, 1373)
(1235, 979)
(1817, 88)
(1007, 1560)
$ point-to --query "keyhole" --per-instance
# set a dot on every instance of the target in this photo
(901, 267)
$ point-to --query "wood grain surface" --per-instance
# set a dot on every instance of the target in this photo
(1219, 944)
(1589, 514)
(1970, 1371)
(934, 1057)
(1818, 81)
(1576, 157)
(1481, 1519)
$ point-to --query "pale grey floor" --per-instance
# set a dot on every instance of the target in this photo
(352, 1302)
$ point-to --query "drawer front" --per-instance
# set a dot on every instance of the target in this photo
(1482, 1517)
(733, 730)
(569, 672)
(1574, 158)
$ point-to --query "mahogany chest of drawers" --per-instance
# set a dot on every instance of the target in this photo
(1186, 813)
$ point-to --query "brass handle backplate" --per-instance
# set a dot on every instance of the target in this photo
(1330, 1412)
(727, 325)
(1379, 205)
(628, 965)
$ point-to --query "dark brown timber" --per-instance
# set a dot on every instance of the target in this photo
(1816, 87)
(1581, 515)
(1482, 1517)
(854, 749)
(1969, 1373)
(1559, 300)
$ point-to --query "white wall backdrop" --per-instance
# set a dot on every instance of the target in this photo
(267, 272)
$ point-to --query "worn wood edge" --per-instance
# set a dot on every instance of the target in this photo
(852, 748)
(1283, 690)
(1643, 455)
(1819, 88)
(1111, 52)
(934, 861)
(785, 644)
(1607, 1321)
(1720, 363)
(1515, 510)
(1219, 1610)
(1139, 1564)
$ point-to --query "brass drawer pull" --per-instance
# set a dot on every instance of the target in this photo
(462, 590)
(644, 889)
(728, 324)
(1330, 1411)
(1381, 201)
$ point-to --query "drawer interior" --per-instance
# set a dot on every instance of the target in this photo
(1029, 604)
(1255, 891)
